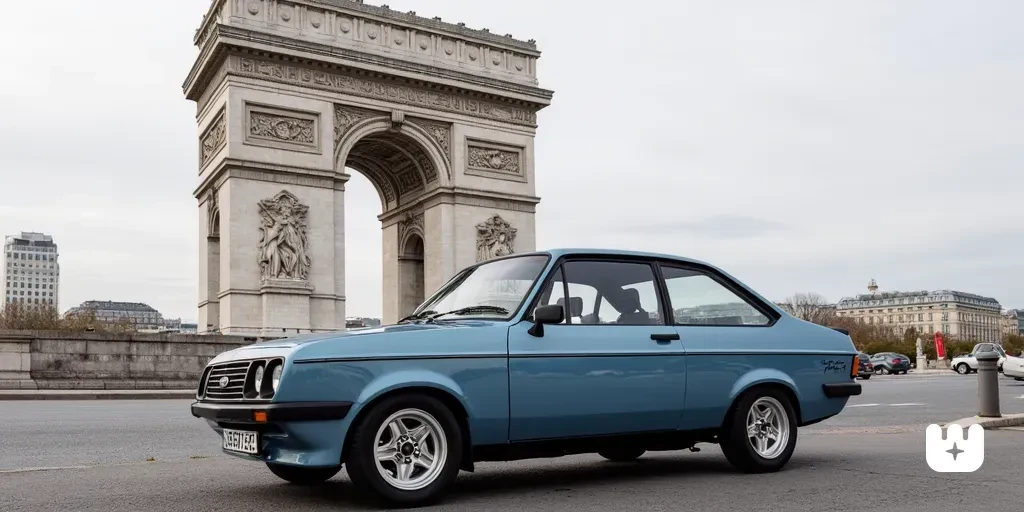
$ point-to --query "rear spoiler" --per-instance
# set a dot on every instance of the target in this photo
(840, 329)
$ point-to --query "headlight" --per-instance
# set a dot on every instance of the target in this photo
(275, 376)
(258, 379)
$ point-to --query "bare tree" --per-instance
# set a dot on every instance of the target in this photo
(811, 307)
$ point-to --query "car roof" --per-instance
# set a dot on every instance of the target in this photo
(563, 251)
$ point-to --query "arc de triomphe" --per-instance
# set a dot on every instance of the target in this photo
(291, 94)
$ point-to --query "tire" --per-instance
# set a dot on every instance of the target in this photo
(963, 369)
(883, 370)
(1018, 378)
(866, 377)
(734, 440)
(299, 475)
(624, 454)
(444, 442)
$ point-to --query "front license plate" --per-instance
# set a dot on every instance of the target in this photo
(241, 441)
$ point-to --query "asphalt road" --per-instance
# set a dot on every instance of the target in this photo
(153, 456)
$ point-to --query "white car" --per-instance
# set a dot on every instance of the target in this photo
(1014, 367)
(969, 364)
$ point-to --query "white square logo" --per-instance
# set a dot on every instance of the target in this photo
(955, 453)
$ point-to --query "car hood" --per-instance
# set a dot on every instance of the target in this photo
(384, 341)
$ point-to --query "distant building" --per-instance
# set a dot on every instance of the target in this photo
(1013, 322)
(735, 313)
(189, 328)
(141, 317)
(31, 272)
(959, 314)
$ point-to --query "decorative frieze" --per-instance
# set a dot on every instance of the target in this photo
(495, 238)
(283, 246)
(282, 128)
(390, 90)
(494, 160)
(213, 139)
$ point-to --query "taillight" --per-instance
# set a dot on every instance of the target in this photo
(854, 368)
(895, 361)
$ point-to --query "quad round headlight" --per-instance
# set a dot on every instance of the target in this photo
(275, 376)
(258, 379)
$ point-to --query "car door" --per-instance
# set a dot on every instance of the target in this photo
(613, 366)
(725, 332)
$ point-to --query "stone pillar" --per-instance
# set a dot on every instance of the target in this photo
(389, 279)
(16, 362)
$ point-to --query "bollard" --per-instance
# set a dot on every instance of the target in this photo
(988, 383)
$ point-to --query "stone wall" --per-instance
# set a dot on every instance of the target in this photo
(91, 360)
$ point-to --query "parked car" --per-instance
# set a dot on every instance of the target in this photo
(890, 363)
(864, 367)
(968, 363)
(1013, 366)
(534, 355)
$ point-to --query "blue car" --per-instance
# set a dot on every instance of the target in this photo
(535, 355)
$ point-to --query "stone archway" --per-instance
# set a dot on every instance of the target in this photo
(290, 95)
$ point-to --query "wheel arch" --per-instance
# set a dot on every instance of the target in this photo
(443, 394)
(783, 384)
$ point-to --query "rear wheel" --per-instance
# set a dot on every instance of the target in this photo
(303, 476)
(406, 451)
(866, 377)
(622, 454)
(760, 434)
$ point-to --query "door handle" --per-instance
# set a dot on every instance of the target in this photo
(665, 338)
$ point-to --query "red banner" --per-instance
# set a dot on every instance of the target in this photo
(940, 349)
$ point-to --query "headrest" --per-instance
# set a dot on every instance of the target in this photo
(630, 300)
(575, 305)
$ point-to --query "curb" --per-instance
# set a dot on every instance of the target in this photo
(1007, 420)
(98, 395)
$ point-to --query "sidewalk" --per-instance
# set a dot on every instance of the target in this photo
(97, 394)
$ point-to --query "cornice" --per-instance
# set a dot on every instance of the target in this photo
(226, 37)
(452, 29)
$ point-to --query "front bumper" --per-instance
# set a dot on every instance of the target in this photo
(276, 412)
(309, 434)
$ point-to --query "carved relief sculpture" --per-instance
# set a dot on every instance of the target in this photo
(283, 247)
(281, 128)
(214, 138)
(495, 237)
(413, 223)
(346, 117)
(494, 159)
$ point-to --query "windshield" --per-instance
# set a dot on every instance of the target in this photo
(500, 286)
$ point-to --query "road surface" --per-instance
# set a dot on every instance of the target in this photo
(152, 455)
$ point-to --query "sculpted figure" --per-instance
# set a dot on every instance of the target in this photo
(283, 243)
(495, 238)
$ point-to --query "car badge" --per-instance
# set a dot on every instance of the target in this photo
(223, 382)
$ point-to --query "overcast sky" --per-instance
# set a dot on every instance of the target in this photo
(802, 146)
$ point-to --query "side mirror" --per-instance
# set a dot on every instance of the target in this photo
(550, 314)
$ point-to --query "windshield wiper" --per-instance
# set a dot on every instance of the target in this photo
(471, 309)
(418, 316)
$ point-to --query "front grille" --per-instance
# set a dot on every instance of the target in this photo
(235, 372)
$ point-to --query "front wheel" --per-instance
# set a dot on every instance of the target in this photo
(963, 369)
(303, 476)
(407, 451)
(760, 434)
(883, 371)
(622, 454)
